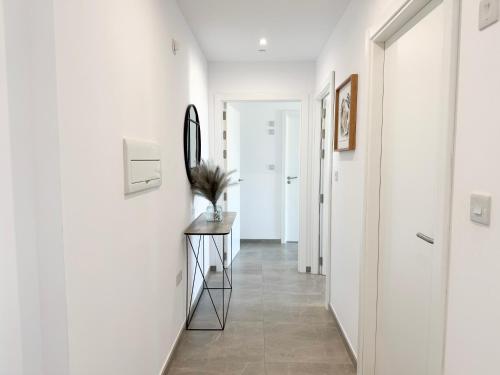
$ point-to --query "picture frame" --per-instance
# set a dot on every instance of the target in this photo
(346, 107)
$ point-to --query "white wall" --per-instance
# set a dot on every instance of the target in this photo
(100, 296)
(474, 302)
(34, 148)
(261, 189)
(346, 53)
(117, 77)
(261, 77)
(258, 79)
(10, 324)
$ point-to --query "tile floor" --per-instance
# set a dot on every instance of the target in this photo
(277, 323)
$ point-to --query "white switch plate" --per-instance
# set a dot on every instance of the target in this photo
(488, 13)
(480, 208)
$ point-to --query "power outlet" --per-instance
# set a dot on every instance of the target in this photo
(178, 279)
(488, 13)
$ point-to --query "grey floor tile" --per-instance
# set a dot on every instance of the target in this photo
(283, 368)
(277, 323)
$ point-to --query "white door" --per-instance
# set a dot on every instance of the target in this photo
(414, 133)
(233, 163)
(323, 231)
(291, 175)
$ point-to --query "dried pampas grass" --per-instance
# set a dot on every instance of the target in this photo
(210, 181)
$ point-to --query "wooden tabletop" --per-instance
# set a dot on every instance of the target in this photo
(201, 226)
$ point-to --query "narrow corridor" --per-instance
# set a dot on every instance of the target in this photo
(277, 322)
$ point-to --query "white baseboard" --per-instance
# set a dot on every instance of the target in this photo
(170, 354)
(167, 362)
(345, 338)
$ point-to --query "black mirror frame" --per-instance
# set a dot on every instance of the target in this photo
(187, 136)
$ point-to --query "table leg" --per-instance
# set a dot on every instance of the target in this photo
(206, 287)
(197, 255)
(203, 237)
(231, 258)
(223, 277)
(187, 281)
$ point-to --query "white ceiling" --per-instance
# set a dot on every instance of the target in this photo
(229, 30)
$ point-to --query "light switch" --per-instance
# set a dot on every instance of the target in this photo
(480, 209)
(477, 211)
(488, 13)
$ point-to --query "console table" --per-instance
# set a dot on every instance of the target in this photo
(202, 228)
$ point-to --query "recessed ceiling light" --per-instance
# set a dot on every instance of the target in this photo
(262, 45)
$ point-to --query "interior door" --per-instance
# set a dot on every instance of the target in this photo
(292, 127)
(325, 119)
(232, 129)
(414, 129)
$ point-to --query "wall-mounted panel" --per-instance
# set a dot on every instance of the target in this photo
(142, 163)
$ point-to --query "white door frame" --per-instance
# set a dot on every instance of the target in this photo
(284, 134)
(227, 197)
(370, 257)
(328, 89)
(217, 149)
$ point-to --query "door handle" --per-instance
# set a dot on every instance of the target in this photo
(240, 180)
(425, 238)
(292, 178)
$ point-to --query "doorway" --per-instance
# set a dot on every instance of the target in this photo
(324, 230)
(410, 252)
(408, 190)
(262, 146)
(218, 152)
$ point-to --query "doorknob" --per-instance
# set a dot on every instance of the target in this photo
(292, 178)
(240, 180)
(425, 238)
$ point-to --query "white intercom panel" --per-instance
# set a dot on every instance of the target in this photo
(142, 164)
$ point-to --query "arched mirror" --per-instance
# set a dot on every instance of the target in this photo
(192, 140)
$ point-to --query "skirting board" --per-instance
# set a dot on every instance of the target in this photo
(347, 343)
(170, 355)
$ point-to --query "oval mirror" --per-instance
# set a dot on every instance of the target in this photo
(192, 140)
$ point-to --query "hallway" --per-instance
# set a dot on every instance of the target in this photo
(277, 322)
(361, 133)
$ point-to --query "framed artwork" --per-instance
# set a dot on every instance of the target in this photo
(345, 115)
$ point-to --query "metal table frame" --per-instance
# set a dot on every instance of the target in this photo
(202, 229)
